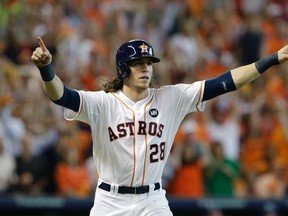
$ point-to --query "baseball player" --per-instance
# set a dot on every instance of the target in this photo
(133, 125)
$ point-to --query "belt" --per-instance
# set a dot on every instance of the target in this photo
(129, 190)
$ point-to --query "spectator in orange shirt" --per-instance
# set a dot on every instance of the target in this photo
(188, 160)
(71, 177)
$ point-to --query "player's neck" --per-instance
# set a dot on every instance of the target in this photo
(135, 95)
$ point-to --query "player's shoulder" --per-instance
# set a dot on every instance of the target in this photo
(99, 95)
(96, 98)
(178, 86)
(92, 93)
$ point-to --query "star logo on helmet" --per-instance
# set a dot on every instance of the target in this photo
(144, 48)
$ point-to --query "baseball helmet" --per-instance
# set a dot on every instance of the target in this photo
(132, 50)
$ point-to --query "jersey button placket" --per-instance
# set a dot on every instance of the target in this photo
(139, 139)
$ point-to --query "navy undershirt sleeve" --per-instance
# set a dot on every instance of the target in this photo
(218, 86)
(70, 99)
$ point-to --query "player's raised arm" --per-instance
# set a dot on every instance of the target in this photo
(238, 77)
(42, 59)
(53, 86)
(248, 73)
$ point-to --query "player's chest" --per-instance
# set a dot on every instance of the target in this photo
(143, 120)
(137, 124)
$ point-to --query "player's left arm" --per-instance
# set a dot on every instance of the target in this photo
(238, 77)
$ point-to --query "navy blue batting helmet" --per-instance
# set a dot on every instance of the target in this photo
(132, 50)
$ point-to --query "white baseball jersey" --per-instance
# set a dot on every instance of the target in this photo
(132, 141)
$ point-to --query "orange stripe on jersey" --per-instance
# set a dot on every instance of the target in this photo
(200, 96)
(134, 140)
(146, 142)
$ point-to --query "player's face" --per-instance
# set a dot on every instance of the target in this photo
(141, 71)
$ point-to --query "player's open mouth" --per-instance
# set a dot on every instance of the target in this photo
(144, 77)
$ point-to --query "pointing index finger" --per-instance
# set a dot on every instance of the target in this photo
(41, 44)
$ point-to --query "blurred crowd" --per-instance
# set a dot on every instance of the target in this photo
(237, 147)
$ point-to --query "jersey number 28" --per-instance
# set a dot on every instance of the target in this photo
(157, 152)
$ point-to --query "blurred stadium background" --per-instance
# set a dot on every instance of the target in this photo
(227, 161)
